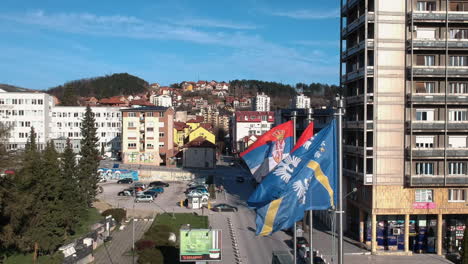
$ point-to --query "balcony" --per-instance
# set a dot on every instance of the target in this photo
(359, 99)
(357, 150)
(438, 44)
(438, 125)
(439, 16)
(437, 98)
(348, 5)
(439, 152)
(359, 176)
(351, 27)
(358, 124)
(356, 48)
(438, 180)
(357, 74)
(439, 71)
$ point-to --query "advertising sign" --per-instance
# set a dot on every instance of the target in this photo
(200, 245)
(117, 174)
(419, 205)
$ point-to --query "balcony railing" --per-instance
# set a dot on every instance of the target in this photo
(438, 71)
(348, 5)
(439, 152)
(439, 125)
(351, 27)
(356, 48)
(439, 180)
(357, 149)
(438, 43)
(359, 176)
(433, 16)
(359, 124)
(359, 99)
(351, 76)
(438, 98)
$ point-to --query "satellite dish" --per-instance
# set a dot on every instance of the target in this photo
(172, 237)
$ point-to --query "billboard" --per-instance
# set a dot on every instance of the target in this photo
(117, 174)
(200, 245)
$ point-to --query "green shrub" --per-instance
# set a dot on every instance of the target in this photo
(144, 244)
(150, 256)
(118, 214)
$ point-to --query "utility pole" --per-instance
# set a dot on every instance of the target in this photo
(339, 116)
(294, 117)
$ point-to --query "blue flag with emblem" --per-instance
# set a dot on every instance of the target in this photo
(306, 180)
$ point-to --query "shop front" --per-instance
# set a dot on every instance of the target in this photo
(454, 227)
(391, 232)
(423, 233)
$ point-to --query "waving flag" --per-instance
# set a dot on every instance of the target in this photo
(269, 150)
(272, 185)
(310, 183)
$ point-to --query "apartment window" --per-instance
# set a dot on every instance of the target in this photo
(457, 115)
(458, 6)
(456, 195)
(70, 134)
(458, 61)
(103, 134)
(132, 114)
(131, 125)
(149, 129)
(161, 114)
(40, 101)
(425, 87)
(149, 114)
(457, 142)
(131, 145)
(149, 124)
(424, 141)
(425, 114)
(458, 88)
(426, 6)
(424, 196)
(424, 168)
(425, 60)
(426, 33)
(161, 144)
(161, 134)
(457, 168)
(149, 145)
(457, 33)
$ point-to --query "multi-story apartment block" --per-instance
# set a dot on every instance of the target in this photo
(161, 100)
(301, 101)
(262, 103)
(23, 110)
(246, 123)
(147, 135)
(405, 77)
(65, 122)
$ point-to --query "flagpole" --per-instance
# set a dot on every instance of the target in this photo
(340, 113)
(294, 116)
(311, 216)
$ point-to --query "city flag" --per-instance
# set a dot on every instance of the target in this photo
(269, 150)
(310, 183)
(272, 185)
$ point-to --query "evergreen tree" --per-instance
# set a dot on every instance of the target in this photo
(69, 96)
(89, 162)
(70, 190)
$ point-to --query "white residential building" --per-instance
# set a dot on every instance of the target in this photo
(248, 123)
(301, 101)
(23, 110)
(65, 122)
(262, 103)
(162, 100)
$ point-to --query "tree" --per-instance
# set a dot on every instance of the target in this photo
(89, 162)
(69, 97)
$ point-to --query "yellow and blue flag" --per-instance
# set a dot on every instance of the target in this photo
(309, 181)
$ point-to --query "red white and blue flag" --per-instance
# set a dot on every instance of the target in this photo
(269, 150)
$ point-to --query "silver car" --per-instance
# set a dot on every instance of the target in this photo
(144, 198)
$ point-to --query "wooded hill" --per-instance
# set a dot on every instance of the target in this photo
(100, 87)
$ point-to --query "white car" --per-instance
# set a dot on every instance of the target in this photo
(144, 198)
(197, 193)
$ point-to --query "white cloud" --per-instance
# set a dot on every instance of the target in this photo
(210, 23)
(306, 14)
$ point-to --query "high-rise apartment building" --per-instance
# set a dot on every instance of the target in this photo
(300, 101)
(405, 79)
(147, 135)
(262, 103)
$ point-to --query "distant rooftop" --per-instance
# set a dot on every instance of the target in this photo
(14, 89)
(146, 108)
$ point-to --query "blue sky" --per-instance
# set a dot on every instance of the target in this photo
(46, 43)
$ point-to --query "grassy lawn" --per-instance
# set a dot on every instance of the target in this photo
(164, 251)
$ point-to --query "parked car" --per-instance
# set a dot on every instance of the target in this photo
(240, 179)
(302, 242)
(125, 193)
(139, 184)
(157, 189)
(144, 198)
(196, 182)
(125, 181)
(224, 208)
(158, 184)
(198, 188)
(152, 193)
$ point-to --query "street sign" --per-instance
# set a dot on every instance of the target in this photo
(200, 245)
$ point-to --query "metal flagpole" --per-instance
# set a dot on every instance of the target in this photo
(294, 116)
(340, 106)
(311, 216)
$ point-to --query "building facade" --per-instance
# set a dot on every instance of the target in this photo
(162, 100)
(147, 135)
(301, 101)
(22, 110)
(405, 76)
(247, 123)
(262, 103)
(65, 122)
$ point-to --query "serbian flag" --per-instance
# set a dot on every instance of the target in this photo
(269, 150)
